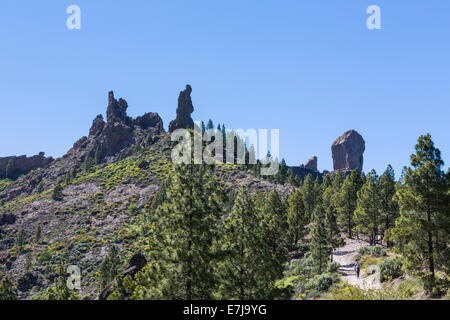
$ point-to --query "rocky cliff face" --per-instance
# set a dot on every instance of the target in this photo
(184, 110)
(311, 164)
(348, 151)
(22, 164)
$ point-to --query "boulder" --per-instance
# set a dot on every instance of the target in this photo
(184, 110)
(7, 218)
(136, 263)
(27, 282)
(348, 151)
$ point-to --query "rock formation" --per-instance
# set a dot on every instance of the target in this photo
(136, 263)
(7, 218)
(22, 164)
(184, 110)
(97, 126)
(311, 164)
(348, 151)
(118, 133)
(150, 121)
(117, 110)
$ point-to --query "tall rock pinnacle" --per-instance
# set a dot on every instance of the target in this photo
(184, 110)
(117, 110)
(348, 151)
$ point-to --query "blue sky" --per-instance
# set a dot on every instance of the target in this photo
(309, 68)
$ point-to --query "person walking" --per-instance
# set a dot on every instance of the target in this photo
(356, 267)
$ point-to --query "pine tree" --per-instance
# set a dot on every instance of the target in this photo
(109, 268)
(203, 127)
(149, 140)
(60, 290)
(275, 240)
(389, 209)
(367, 213)
(21, 239)
(187, 226)
(98, 156)
(292, 179)
(346, 200)
(7, 291)
(320, 244)
(89, 164)
(329, 206)
(297, 217)
(241, 241)
(28, 262)
(38, 234)
(309, 195)
(57, 192)
(423, 225)
(10, 169)
(210, 125)
(40, 187)
(68, 178)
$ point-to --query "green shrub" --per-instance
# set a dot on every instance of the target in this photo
(304, 266)
(319, 283)
(333, 267)
(391, 269)
(57, 192)
(44, 257)
(374, 251)
(378, 251)
(363, 251)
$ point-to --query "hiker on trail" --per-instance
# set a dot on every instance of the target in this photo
(357, 269)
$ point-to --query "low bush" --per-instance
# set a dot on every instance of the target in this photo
(377, 251)
(391, 269)
(333, 267)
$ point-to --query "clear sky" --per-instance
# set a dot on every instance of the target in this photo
(309, 68)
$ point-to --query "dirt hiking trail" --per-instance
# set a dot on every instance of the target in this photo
(345, 256)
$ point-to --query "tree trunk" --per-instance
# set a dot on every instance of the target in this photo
(430, 250)
(349, 226)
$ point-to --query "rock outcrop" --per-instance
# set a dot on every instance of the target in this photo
(116, 134)
(97, 126)
(348, 151)
(23, 164)
(150, 121)
(311, 164)
(117, 110)
(7, 218)
(136, 263)
(184, 110)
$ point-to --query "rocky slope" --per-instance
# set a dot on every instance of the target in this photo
(109, 179)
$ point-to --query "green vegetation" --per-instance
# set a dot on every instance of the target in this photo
(205, 238)
(422, 230)
(7, 291)
(10, 169)
(109, 268)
